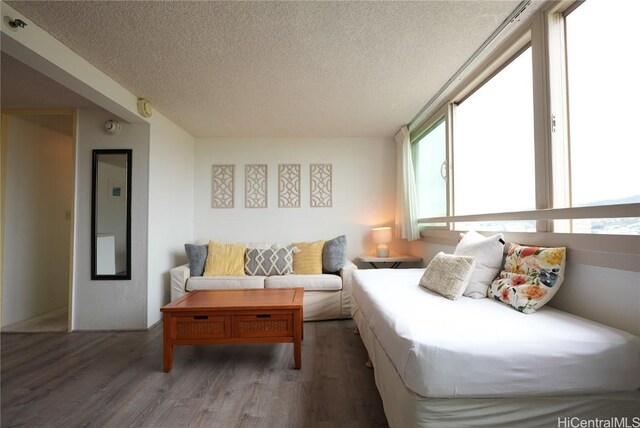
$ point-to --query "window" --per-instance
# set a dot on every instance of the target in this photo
(430, 159)
(603, 92)
(493, 147)
(549, 123)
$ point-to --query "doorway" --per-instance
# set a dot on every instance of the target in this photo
(37, 173)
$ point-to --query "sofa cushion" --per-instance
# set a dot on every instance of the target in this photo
(197, 256)
(224, 282)
(225, 259)
(308, 282)
(308, 259)
(267, 262)
(334, 254)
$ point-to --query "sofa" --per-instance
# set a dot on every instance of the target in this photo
(327, 295)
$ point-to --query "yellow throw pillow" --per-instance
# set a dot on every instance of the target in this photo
(225, 260)
(308, 259)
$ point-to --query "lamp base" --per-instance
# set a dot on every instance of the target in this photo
(382, 250)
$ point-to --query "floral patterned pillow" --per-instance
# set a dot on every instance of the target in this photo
(531, 277)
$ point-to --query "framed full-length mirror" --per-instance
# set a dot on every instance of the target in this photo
(111, 215)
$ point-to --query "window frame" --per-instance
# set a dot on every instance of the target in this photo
(544, 31)
(517, 48)
(443, 114)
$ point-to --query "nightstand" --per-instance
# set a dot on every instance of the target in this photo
(395, 260)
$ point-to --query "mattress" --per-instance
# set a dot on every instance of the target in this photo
(483, 348)
(405, 408)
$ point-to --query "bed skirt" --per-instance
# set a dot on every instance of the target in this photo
(404, 408)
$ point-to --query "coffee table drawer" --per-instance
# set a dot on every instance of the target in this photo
(263, 325)
(203, 327)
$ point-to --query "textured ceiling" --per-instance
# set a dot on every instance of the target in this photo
(276, 69)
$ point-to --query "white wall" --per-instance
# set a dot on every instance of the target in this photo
(37, 230)
(608, 296)
(363, 190)
(170, 207)
(110, 304)
(165, 189)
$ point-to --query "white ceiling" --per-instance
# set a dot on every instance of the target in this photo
(24, 88)
(61, 123)
(276, 69)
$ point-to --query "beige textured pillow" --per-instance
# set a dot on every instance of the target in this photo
(448, 275)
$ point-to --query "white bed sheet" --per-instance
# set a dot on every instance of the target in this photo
(483, 348)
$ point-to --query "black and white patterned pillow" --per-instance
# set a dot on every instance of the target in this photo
(268, 262)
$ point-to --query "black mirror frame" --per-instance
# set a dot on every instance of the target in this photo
(94, 181)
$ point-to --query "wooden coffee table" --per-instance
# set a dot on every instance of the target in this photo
(210, 317)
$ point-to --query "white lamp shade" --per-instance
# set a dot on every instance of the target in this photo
(381, 235)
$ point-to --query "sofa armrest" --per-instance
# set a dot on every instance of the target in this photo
(179, 277)
(347, 287)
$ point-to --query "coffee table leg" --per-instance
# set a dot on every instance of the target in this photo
(297, 337)
(167, 346)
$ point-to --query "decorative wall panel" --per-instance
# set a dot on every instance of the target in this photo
(289, 185)
(255, 186)
(321, 185)
(222, 186)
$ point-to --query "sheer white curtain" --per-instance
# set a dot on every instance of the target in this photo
(406, 195)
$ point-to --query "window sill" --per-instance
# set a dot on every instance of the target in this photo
(609, 251)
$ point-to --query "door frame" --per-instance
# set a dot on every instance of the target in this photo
(3, 184)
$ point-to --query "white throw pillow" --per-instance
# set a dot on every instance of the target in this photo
(487, 252)
(448, 275)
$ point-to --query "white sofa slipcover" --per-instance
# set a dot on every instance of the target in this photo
(326, 296)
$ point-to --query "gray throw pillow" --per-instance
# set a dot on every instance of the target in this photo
(334, 254)
(197, 255)
(267, 262)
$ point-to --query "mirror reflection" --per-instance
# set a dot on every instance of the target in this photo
(111, 231)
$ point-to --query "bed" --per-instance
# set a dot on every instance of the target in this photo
(478, 362)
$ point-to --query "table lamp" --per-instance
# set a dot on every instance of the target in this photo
(382, 236)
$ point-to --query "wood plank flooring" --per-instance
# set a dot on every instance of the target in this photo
(115, 379)
(54, 321)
